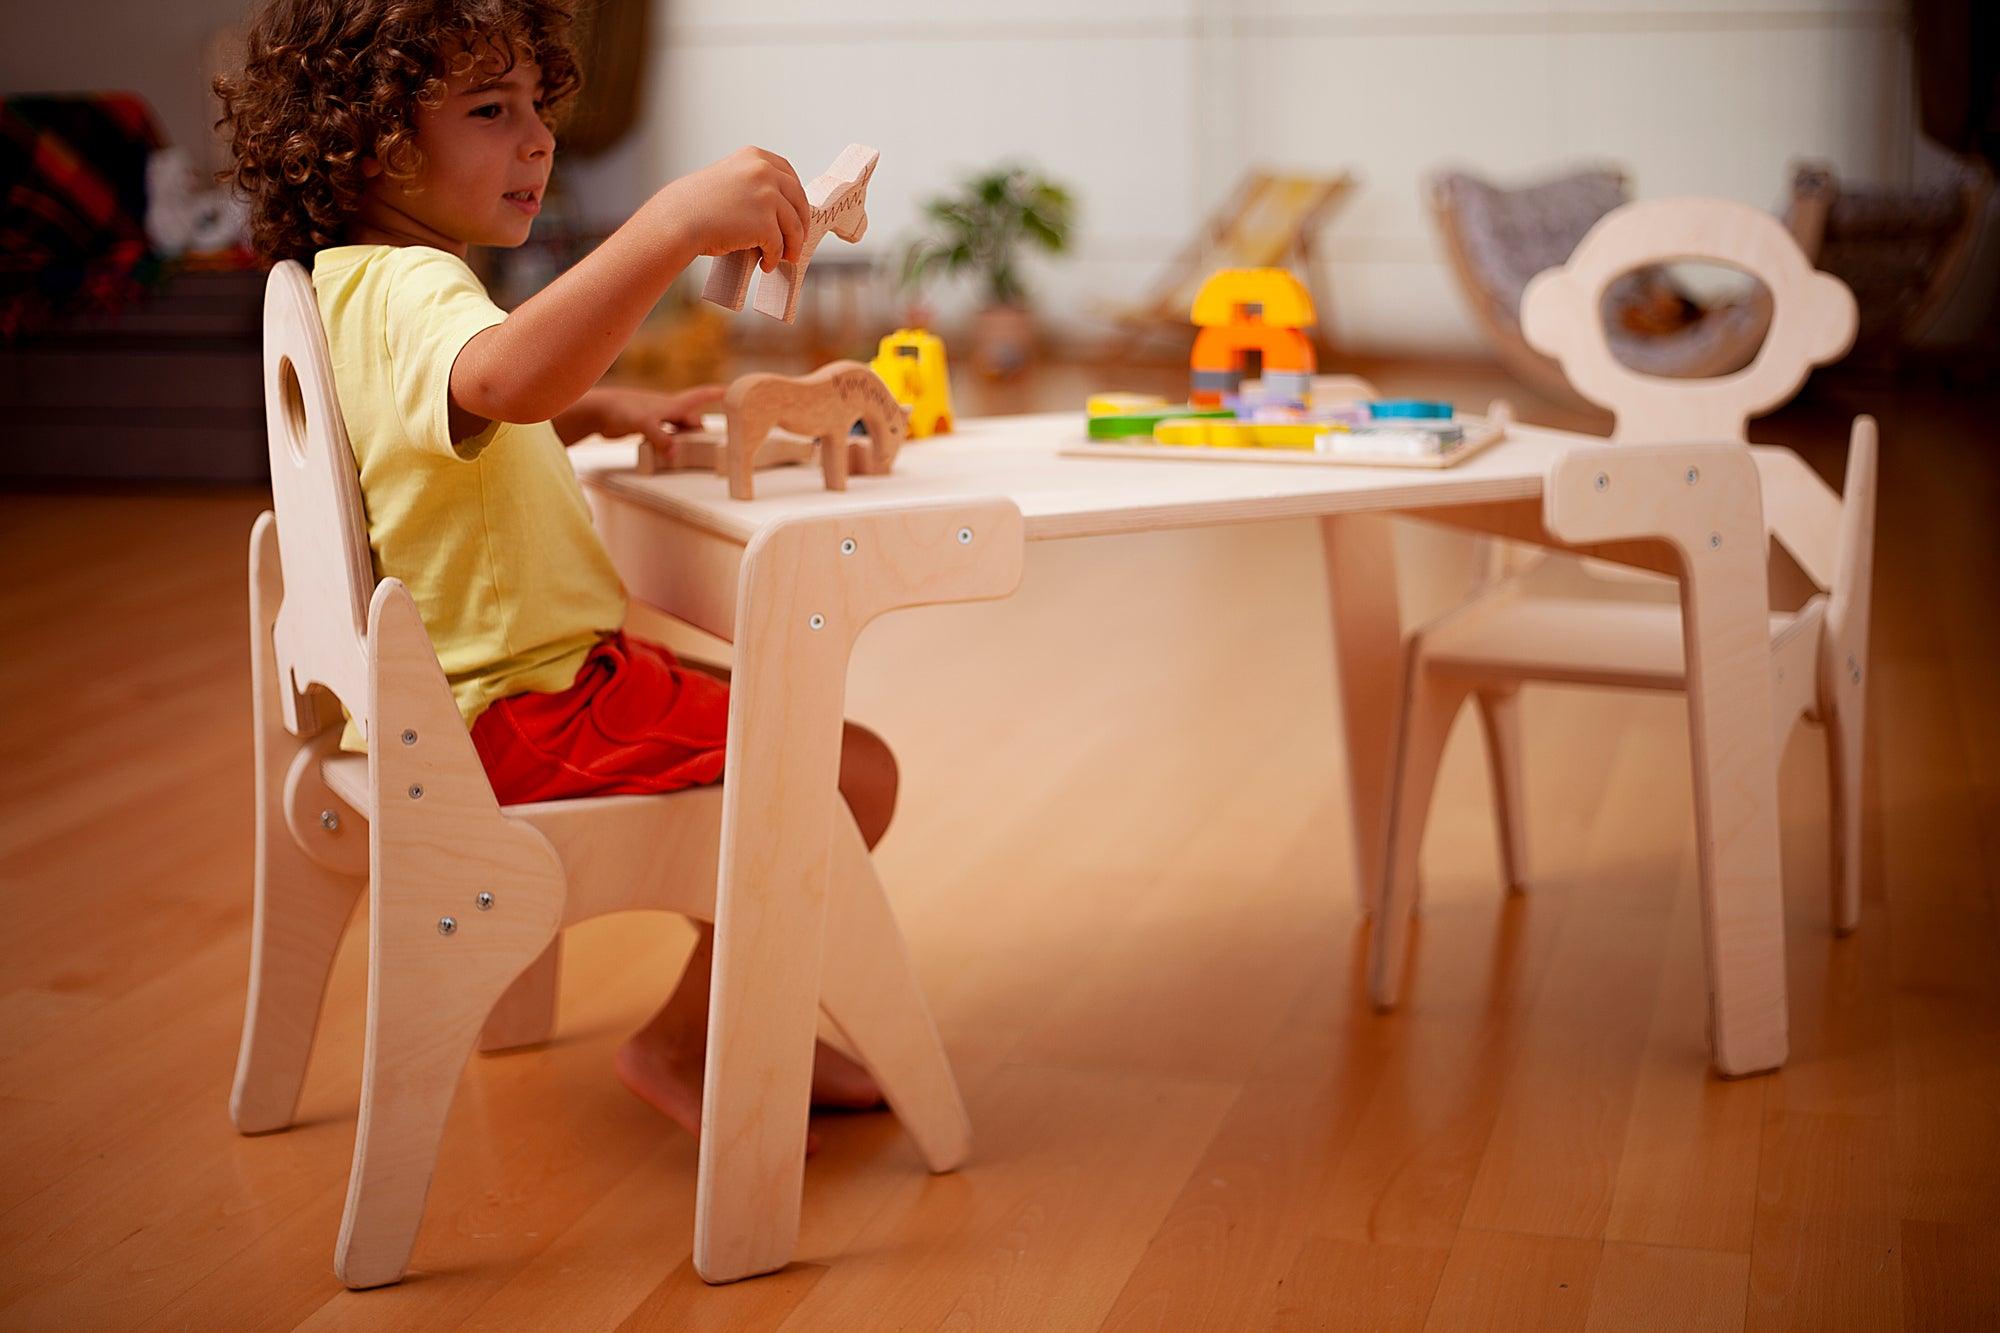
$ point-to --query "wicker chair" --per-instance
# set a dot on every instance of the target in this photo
(1903, 251)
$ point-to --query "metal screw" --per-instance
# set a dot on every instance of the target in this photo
(485, 901)
(847, 546)
(447, 925)
(1602, 481)
(965, 536)
(1714, 541)
(409, 737)
(1694, 475)
(416, 791)
(328, 820)
(818, 621)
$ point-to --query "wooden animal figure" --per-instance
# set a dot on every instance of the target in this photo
(825, 406)
(839, 200)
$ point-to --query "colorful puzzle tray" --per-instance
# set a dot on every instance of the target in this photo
(1481, 433)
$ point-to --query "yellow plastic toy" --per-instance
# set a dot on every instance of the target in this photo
(911, 363)
(1240, 310)
(1118, 404)
(1216, 434)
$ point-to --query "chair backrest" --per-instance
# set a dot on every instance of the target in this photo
(1812, 320)
(322, 629)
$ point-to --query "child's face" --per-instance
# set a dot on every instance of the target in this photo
(486, 158)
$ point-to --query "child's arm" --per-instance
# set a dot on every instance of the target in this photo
(633, 411)
(546, 355)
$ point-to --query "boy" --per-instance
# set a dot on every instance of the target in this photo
(378, 141)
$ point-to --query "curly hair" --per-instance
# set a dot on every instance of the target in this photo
(328, 84)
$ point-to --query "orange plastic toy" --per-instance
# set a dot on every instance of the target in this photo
(1239, 310)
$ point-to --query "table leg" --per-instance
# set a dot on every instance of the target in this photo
(1704, 500)
(1367, 658)
(807, 589)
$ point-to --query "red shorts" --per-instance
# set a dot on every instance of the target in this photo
(635, 722)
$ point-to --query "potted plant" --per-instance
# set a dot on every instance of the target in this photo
(980, 230)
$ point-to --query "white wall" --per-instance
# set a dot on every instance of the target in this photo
(1150, 108)
(156, 48)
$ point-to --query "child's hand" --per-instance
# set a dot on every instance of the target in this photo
(617, 412)
(750, 200)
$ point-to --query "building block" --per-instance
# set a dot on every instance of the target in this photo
(1241, 310)
(1124, 425)
(1221, 434)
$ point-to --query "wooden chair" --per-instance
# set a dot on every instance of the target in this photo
(1271, 220)
(466, 897)
(1497, 239)
(1507, 634)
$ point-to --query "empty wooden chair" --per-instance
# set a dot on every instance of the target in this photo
(466, 897)
(1508, 634)
(1497, 239)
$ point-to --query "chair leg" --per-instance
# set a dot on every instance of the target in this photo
(428, 995)
(526, 1014)
(301, 902)
(1428, 711)
(1500, 712)
(870, 992)
(301, 910)
(1844, 727)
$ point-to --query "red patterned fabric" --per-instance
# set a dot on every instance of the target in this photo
(635, 722)
(72, 206)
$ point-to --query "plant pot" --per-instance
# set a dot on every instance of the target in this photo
(1003, 341)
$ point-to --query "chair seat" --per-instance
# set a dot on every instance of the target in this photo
(1575, 640)
(347, 776)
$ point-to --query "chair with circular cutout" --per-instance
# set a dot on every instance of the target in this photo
(1509, 633)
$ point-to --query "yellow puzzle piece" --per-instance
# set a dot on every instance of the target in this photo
(1216, 434)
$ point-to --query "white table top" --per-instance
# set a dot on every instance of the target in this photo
(1016, 457)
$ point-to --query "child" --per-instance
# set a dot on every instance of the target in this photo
(377, 141)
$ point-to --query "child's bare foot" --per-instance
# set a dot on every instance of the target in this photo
(841, 1083)
(667, 1077)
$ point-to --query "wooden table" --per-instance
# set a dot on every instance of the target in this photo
(791, 578)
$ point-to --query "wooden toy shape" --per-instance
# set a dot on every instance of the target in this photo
(823, 406)
(1241, 309)
(839, 200)
(466, 897)
(1813, 322)
(708, 451)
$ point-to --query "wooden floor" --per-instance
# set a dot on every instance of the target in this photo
(1120, 865)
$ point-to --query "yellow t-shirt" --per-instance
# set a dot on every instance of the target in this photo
(492, 537)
